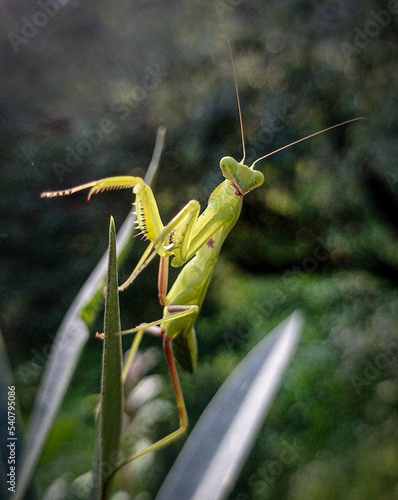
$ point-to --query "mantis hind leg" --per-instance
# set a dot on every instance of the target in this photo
(154, 329)
(182, 411)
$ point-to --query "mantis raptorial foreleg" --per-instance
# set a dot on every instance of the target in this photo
(181, 237)
(173, 239)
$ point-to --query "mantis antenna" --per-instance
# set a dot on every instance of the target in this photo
(241, 120)
(238, 100)
(307, 137)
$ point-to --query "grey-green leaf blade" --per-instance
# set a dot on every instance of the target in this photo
(212, 458)
(71, 337)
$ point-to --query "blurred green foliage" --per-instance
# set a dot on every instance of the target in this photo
(82, 99)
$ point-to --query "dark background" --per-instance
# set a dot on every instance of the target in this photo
(81, 97)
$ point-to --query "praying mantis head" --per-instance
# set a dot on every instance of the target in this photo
(243, 178)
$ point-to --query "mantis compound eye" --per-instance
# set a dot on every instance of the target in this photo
(229, 167)
(258, 178)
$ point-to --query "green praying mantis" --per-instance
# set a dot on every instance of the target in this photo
(193, 241)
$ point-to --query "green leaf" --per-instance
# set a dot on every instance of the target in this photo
(112, 388)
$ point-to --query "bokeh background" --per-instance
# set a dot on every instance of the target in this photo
(83, 89)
